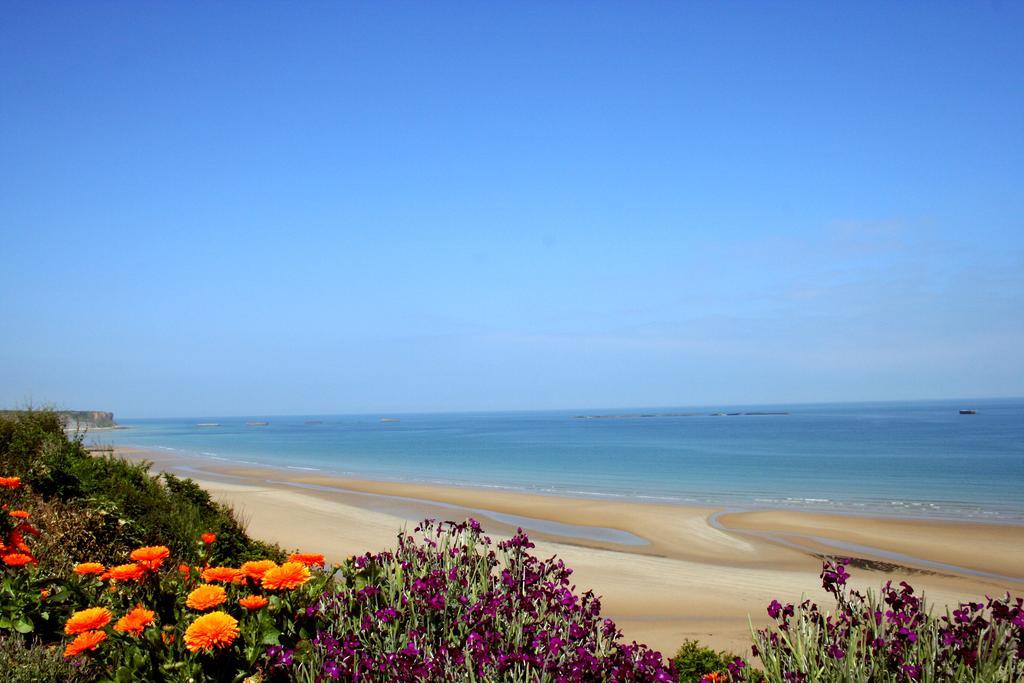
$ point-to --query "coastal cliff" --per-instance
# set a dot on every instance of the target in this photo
(87, 418)
(77, 419)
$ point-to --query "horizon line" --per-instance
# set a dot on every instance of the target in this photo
(570, 409)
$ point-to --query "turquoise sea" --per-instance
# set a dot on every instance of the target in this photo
(921, 459)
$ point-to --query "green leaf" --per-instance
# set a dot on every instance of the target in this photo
(272, 637)
(24, 625)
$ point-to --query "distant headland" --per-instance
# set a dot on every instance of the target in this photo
(79, 419)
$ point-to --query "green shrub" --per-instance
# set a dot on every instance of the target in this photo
(693, 661)
(100, 507)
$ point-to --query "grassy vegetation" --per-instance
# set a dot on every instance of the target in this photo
(99, 507)
(24, 661)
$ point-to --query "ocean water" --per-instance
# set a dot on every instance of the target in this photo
(918, 459)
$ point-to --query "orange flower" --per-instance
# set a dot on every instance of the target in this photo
(308, 559)
(28, 529)
(208, 538)
(89, 568)
(88, 640)
(223, 574)
(10, 482)
(183, 569)
(210, 631)
(43, 593)
(136, 620)
(205, 597)
(127, 572)
(256, 569)
(289, 575)
(18, 559)
(18, 541)
(18, 514)
(151, 556)
(87, 620)
(253, 602)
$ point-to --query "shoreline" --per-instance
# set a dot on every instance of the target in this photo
(666, 572)
(205, 461)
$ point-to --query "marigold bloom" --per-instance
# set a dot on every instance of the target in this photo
(85, 568)
(151, 556)
(208, 538)
(135, 621)
(183, 569)
(206, 596)
(127, 572)
(18, 559)
(308, 559)
(289, 575)
(256, 569)
(18, 540)
(87, 620)
(211, 631)
(10, 482)
(18, 514)
(223, 574)
(43, 593)
(253, 602)
(88, 640)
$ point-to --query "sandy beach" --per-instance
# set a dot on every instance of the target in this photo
(665, 572)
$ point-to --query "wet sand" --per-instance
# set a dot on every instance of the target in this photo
(665, 572)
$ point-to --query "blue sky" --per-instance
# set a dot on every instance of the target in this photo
(245, 208)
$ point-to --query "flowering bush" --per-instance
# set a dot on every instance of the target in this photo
(451, 607)
(891, 636)
(24, 606)
(148, 620)
(96, 507)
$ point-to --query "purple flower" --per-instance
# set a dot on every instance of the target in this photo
(467, 600)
